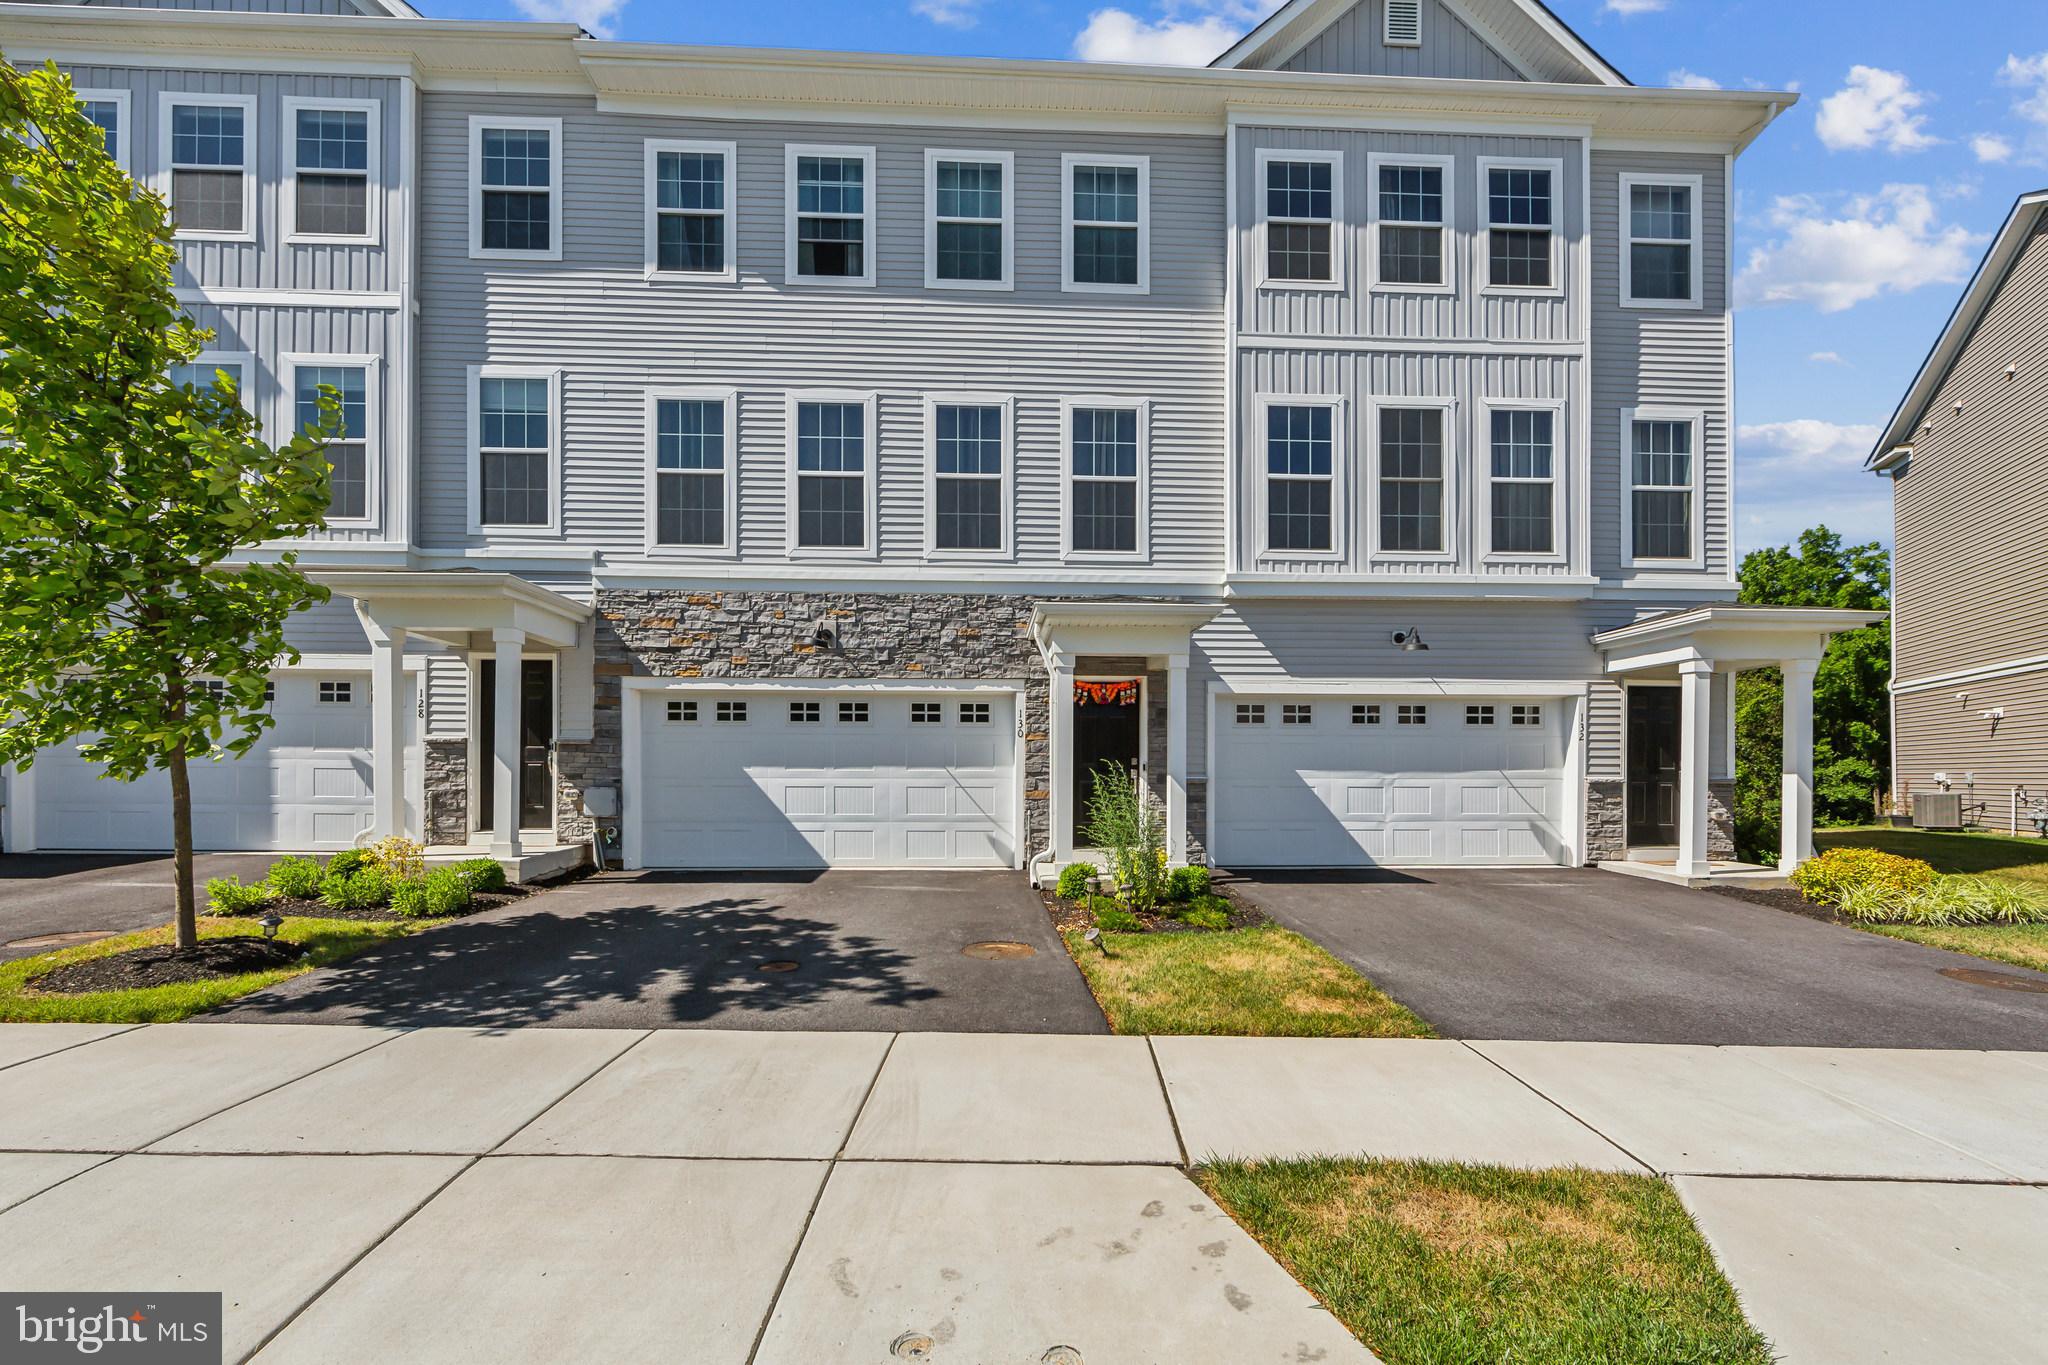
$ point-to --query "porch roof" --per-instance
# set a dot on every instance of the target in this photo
(1148, 628)
(449, 604)
(1728, 636)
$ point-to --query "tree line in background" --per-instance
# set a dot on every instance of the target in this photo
(1852, 740)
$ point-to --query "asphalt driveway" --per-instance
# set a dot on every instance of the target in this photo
(42, 894)
(872, 950)
(1576, 954)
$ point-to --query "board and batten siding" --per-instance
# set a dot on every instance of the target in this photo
(269, 262)
(614, 334)
(1355, 45)
(1659, 357)
(1970, 564)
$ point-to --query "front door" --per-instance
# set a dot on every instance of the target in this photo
(536, 744)
(1106, 721)
(1653, 719)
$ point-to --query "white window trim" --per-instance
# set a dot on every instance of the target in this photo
(1484, 188)
(729, 470)
(474, 482)
(373, 189)
(1697, 184)
(932, 403)
(1008, 161)
(1447, 230)
(247, 360)
(1560, 435)
(1697, 419)
(170, 99)
(124, 130)
(869, 252)
(1340, 238)
(1143, 165)
(1143, 542)
(556, 167)
(651, 164)
(870, 457)
(373, 423)
(1453, 493)
(1340, 484)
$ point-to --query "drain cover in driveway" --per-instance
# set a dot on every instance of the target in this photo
(999, 951)
(1998, 981)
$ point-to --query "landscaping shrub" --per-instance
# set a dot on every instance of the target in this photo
(347, 862)
(404, 859)
(1834, 873)
(295, 878)
(227, 896)
(447, 892)
(1946, 901)
(1073, 884)
(1124, 822)
(366, 888)
(1205, 917)
(480, 875)
(1114, 919)
(1186, 883)
(409, 900)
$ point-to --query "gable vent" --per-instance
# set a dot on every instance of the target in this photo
(1404, 23)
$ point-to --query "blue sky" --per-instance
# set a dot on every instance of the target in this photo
(1859, 214)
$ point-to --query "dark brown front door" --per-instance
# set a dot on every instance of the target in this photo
(1103, 734)
(1653, 766)
(536, 743)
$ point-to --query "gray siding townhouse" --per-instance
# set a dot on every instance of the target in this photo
(790, 459)
(1970, 591)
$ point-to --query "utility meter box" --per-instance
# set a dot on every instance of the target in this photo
(600, 803)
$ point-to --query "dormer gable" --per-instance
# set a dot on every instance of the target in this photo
(1500, 40)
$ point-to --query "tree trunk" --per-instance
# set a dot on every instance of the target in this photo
(181, 845)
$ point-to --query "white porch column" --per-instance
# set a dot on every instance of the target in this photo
(1795, 810)
(509, 645)
(1059, 780)
(387, 728)
(1176, 759)
(1695, 745)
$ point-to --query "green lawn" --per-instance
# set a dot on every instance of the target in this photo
(1263, 982)
(326, 940)
(2024, 862)
(2022, 945)
(1434, 1264)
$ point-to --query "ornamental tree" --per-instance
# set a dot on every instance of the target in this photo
(125, 498)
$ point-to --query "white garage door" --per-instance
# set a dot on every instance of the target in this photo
(1420, 782)
(306, 784)
(828, 779)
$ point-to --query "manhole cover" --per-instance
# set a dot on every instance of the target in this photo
(1997, 981)
(999, 951)
(61, 940)
(1061, 1355)
(782, 964)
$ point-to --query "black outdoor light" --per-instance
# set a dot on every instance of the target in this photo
(1410, 639)
(270, 923)
(824, 636)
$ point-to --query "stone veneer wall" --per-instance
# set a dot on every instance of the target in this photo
(447, 791)
(1607, 822)
(1721, 819)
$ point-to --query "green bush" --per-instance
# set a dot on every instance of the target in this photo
(447, 892)
(1073, 884)
(227, 896)
(480, 875)
(364, 889)
(1186, 883)
(1127, 824)
(1114, 919)
(295, 878)
(1835, 873)
(1946, 901)
(347, 862)
(409, 900)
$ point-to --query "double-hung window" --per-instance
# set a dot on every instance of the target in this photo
(1663, 506)
(345, 383)
(1300, 478)
(969, 208)
(1660, 228)
(1106, 235)
(1519, 200)
(1524, 474)
(690, 209)
(830, 226)
(692, 495)
(514, 413)
(970, 462)
(1411, 480)
(204, 371)
(208, 150)
(1412, 212)
(1303, 194)
(832, 467)
(107, 110)
(332, 171)
(515, 183)
(1105, 483)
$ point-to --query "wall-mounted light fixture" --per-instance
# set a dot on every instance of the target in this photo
(824, 636)
(1410, 639)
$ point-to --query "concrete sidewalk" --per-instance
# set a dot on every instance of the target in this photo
(786, 1197)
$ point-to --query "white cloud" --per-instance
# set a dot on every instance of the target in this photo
(1827, 358)
(1876, 108)
(2030, 76)
(1990, 148)
(594, 15)
(1113, 35)
(950, 13)
(1627, 8)
(1839, 254)
(1790, 476)
(1683, 79)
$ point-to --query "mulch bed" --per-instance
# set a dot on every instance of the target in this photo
(1782, 898)
(213, 960)
(1074, 915)
(380, 914)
